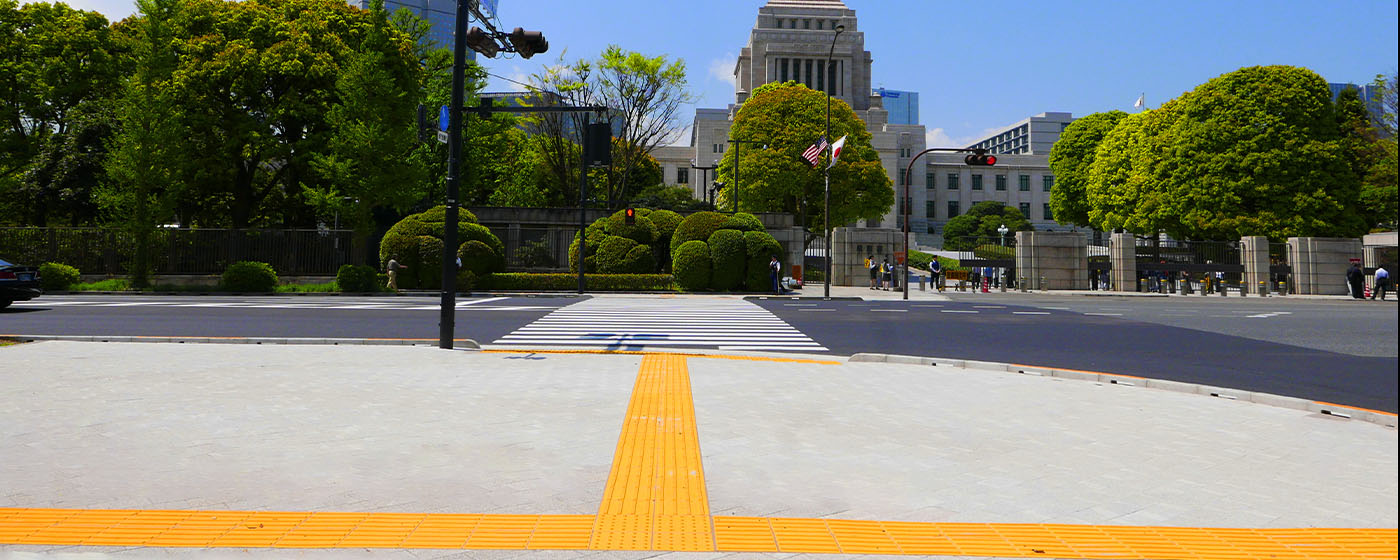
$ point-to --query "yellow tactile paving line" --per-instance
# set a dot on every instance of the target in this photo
(655, 499)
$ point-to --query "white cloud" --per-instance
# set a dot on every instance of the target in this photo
(517, 78)
(939, 138)
(722, 69)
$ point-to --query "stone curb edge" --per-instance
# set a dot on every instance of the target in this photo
(1375, 417)
(459, 344)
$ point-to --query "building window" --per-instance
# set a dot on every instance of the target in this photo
(783, 70)
(682, 176)
(953, 181)
(1047, 182)
(819, 24)
(928, 180)
(976, 182)
(1045, 212)
(1025, 183)
(1025, 209)
(714, 148)
(1001, 182)
(929, 209)
(806, 24)
(952, 208)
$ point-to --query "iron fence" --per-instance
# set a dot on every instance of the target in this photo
(182, 251)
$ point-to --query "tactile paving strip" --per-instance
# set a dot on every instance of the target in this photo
(655, 497)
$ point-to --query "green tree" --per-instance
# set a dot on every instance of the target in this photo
(53, 59)
(1378, 186)
(143, 153)
(374, 132)
(789, 118)
(1127, 188)
(980, 224)
(1070, 160)
(69, 166)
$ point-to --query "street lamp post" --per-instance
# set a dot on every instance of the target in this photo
(1001, 230)
(907, 203)
(826, 173)
(736, 166)
(704, 177)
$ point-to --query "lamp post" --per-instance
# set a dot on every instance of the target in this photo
(1001, 229)
(704, 176)
(736, 166)
(826, 173)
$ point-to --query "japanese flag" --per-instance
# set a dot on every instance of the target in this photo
(1138, 104)
(836, 151)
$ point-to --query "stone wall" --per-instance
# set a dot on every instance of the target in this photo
(850, 247)
(1320, 263)
(1052, 260)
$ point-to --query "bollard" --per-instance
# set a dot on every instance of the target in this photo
(921, 283)
(1282, 289)
(1222, 288)
(1021, 283)
(1042, 284)
(1263, 289)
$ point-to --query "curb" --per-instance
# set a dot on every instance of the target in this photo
(1377, 417)
(459, 344)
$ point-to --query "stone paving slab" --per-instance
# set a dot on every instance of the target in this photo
(419, 429)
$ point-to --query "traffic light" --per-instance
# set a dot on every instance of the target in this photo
(980, 157)
(630, 216)
(482, 42)
(528, 43)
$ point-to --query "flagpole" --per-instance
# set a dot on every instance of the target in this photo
(826, 173)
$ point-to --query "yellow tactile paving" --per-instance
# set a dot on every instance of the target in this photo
(655, 496)
(684, 354)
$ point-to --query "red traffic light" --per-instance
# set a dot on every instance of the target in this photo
(980, 158)
(630, 216)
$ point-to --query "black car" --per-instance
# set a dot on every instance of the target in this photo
(17, 283)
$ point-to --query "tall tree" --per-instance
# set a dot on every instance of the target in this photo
(981, 222)
(645, 95)
(143, 153)
(373, 133)
(1070, 160)
(1379, 194)
(788, 118)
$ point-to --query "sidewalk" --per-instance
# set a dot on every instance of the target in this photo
(375, 450)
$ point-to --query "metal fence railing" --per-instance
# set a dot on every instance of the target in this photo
(182, 251)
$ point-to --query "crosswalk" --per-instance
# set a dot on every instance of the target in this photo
(289, 302)
(627, 323)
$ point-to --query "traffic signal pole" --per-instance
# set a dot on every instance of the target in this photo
(982, 159)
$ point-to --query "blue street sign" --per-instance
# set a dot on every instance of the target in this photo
(442, 118)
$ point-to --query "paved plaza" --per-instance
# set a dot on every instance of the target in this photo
(772, 439)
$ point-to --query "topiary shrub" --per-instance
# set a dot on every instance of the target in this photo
(760, 248)
(590, 259)
(356, 278)
(402, 242)
(55, 277)
(727, 257)
(696, 227)
(612, 253)
(466, 280)
(477, 257)
(666, 222)
(429, 269)
(643, 231)
(249, 276)
(744, 222)
(478, 232)
(639, 260)
(691, 262)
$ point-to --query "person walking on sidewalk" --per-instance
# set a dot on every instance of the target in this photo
(1382, 282)
(392, 270)
(1356, 282)
(873, 266)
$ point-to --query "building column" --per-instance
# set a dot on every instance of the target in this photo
(1123, 254)
(1254, 255)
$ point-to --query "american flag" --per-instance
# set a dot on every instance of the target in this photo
(814, 153)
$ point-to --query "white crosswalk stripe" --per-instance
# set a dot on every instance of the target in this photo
(667, 322)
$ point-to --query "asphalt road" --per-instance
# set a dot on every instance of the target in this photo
(1329, 350)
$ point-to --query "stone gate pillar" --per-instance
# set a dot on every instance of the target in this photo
(1320, 263)
(1061, 258)
(1123, 254)
(1254, 255)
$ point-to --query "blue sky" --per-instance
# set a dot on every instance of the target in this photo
(981, 66)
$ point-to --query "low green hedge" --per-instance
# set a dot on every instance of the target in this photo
(919, 260)
(566, 282)
(691, 266)
(249, 276)
(54, 277)
(357, 278)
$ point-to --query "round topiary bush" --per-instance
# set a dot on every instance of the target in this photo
(356, 278)
(691, 263)
(642, 231)
(666, 222)
(744, 222)
(760, 248)
(402, 242)
(639, 260)
(477, 257)
(249, 276)
(429, 269)
(55, 277)
(696, 227)
(727, 256)
(612, 252)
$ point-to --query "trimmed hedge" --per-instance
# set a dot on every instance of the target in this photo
(639, 260)
(727, 258)
(429, 269)
(356, 278)
(54, 277)
(612, 255)
(405, 242)
(249, 276)
(696, 227)
(643, 231)
(691, 263)
(761, 248)
(744, 222)
(567, 282)
(477, 257)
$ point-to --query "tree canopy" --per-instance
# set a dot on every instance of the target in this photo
(1070, 160)
(982, 221)
(788, 118)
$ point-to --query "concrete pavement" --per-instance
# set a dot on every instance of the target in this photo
(776, 444)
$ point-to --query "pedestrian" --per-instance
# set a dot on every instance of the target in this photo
(975, 278)
(935, 272)
(1356, 281)
(885, 276)
(874, 267)
(1382, 282)
(774, 269)
(392, 269)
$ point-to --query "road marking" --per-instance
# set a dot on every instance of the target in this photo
(924, 305)
(1057, 308)
(1268, 315)
(1030, 312)
(990, 306)
(477, 301)
(1105, 314)
(816, 310)
(890, 310)
(640, 322)
(957, 311)
(799, 304)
